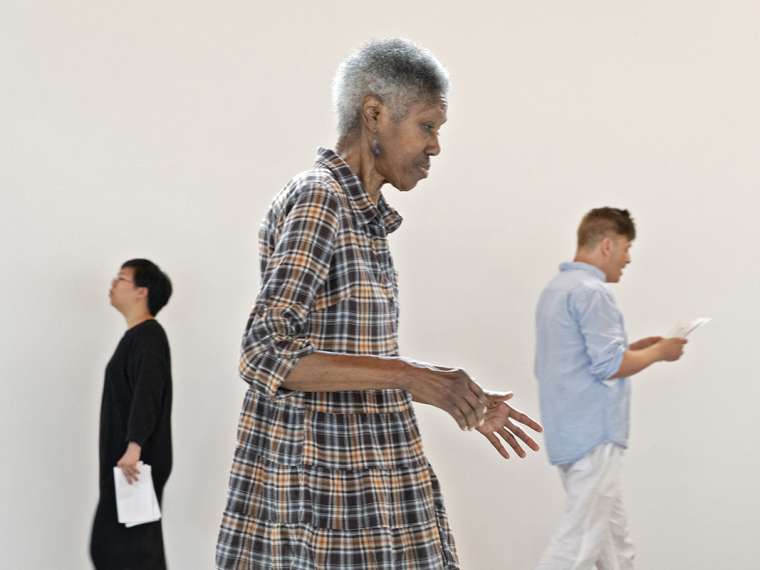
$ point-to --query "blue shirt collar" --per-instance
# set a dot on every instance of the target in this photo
(580, 266)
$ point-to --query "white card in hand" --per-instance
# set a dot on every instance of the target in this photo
(156, 515)
(682, 330)
(136, 503)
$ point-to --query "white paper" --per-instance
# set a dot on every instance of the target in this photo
(136, 503)
(682, 330)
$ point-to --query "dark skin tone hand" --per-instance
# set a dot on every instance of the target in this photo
(450, 389)
(500, 421)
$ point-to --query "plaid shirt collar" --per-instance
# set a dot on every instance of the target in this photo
(365, 210)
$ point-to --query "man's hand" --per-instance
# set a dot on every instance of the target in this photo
(671, 348)
(453, 391)
(498, 420)
(644, 343)
(128, 462)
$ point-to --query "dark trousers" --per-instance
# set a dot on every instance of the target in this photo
(113, 546)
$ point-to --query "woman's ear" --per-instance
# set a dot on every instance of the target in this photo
(371, 110)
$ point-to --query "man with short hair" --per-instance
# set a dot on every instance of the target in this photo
(135, 417)
(583, 362)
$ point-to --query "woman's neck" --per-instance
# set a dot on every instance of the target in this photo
(356, 152)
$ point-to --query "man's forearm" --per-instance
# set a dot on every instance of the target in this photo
(326, 372)
(634, 361)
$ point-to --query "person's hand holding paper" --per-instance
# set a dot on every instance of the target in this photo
(130, 461)
(136, 503)
(670, 349)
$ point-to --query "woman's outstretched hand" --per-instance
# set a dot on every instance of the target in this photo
(453, 391)
(500, 421)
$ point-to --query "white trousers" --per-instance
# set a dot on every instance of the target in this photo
(593, 532)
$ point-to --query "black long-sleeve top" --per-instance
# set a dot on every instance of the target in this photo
(137, 402)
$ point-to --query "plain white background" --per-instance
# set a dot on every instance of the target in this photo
(163, 129)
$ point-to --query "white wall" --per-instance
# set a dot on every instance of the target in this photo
(162, 129)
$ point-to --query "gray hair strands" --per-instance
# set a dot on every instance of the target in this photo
(395, 70)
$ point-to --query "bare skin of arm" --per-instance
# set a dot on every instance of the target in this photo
(452, 390)
(647, 351)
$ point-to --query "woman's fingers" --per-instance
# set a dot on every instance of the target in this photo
(525, 419)
(499, 396)
(131, 471)
(458, 416)
(529, 441)
(512, 441)
(480, 393)
(497, 445)
(468, 398)
(477, 407)
(468, 413)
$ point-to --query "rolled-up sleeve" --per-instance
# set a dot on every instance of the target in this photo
(601, 325)
(275, 336)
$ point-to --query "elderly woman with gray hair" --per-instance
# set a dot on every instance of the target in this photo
(329, 471)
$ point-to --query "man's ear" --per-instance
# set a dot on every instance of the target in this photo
(372, 108)
(142, 292)
(605, 246)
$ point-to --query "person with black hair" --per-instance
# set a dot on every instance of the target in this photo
(135, 417)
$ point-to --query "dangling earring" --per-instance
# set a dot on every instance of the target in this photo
(375, 148)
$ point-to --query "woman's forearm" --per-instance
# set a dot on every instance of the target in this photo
(327, 372)
(449, 389)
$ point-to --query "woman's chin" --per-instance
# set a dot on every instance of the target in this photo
(406, 185)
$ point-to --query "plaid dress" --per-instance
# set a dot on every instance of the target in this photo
(328, 480)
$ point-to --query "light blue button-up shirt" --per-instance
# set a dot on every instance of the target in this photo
(580, 342)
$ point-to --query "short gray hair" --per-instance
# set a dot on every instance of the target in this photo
(395, 70)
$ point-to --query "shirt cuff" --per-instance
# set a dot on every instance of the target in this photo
(269, 371)
(606, 370)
